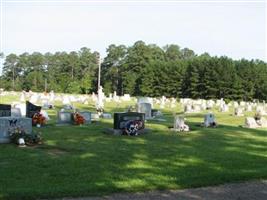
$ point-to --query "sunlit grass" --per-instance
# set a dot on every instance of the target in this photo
(84, 161)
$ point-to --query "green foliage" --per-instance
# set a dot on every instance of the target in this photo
(73, 87)
(140, 70)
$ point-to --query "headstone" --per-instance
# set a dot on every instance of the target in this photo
(126, 97)
(100, 99)
(248, 108)
(155, 113)
(188, 108)
(67, 107)
(106, 115)
(87, 116)
(66, 100)
(15, 112)
(179, 124)
(47, 105)
(22, 108)
(34, 98)
(45, 114)
(95, 116)
(262, 122)
(173, 103)
(162, 102)
(52, 96)
(5, 110)
(121, 119)
(242, 103)
(236, 104)
(64, 117)
(210, 104)
(196, 108)
(8, 122)
(22, 97)
(261, 110)
(239, 112)
(250, 122)
(145, 100)
(31, 109)
(204, 105)
(224, 108)
(209, 120)
(145, 108)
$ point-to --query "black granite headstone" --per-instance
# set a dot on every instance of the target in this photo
(120, 119)
(5, 110)
(31, 109)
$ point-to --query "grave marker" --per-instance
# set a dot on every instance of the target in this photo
(8, 122)
(64, 117)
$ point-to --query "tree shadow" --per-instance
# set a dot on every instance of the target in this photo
(96, 163)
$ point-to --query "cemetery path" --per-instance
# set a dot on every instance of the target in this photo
(256, 190)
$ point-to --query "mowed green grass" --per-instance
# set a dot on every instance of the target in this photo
(79, 161)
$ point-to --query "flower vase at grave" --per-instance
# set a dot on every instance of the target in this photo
(21, 142)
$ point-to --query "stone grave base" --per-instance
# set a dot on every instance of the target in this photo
(178, 130)
(204, 126)
(106, 116)
(119, 131)
(4, 140)
(65, 124)
(157, 119)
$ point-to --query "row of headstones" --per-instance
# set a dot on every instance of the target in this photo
(209, 121)
(48, 99)
(9, 119)
(67, 99)
(219, 102)
(180, 126)
(238, 111)
(252, 122)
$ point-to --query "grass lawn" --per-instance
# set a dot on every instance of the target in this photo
(83, 161)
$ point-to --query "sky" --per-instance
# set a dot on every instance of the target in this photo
(237, 30)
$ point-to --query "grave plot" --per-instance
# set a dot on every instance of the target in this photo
(128, 123)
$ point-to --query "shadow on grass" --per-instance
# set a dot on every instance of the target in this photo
(94, 163)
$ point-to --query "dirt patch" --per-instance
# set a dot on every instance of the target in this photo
(255, 190)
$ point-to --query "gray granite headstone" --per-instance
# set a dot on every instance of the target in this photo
(209, 119)
(95, 116)
(179, 124)
(145, 108)
(64, 117)
(8, 122)
(87, 116)
(15, 112)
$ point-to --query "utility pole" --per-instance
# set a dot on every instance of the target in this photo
(13, 77)
(99, 72)
(46, 85)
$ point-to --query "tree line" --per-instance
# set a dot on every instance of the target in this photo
(139, 70)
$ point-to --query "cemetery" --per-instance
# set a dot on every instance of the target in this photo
(133, 100)
(94, 148)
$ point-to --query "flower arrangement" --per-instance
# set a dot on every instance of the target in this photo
(132, 127)
(18, 136)
(78, 118)
(15, 133)
(38, 118)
